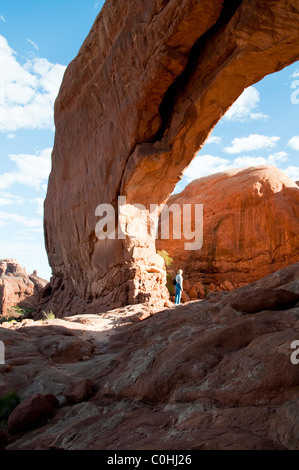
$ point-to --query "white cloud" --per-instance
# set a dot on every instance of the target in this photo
(29, 253)
(27, 92)
(292, 172)
(294, 142)
(245, 108)
(252, 142)
(9, 199)
(2, 18)
(213, 140)
(10, 136)
(49, 75)
(295, 74)
(32, 170)
(40, 205)
(33, 44)
(6, 217)
(246, 161)
(204, 165)
(278, 157)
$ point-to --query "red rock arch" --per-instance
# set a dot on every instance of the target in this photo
(147, 87)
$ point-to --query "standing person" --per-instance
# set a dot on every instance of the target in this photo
(178, 287)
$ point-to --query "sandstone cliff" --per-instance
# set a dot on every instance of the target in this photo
(250, 228)
(148, 85)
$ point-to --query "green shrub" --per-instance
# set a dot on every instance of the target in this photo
(16, 313)
(167, 258)
(7, 404)
(48, 315)
(168, 261)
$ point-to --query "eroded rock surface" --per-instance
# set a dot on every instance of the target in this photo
(199, 376)
(148, 85)
(250, 229)
(18, 288)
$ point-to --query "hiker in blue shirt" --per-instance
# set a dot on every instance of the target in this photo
(178, 287)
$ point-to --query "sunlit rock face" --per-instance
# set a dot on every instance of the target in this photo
(250, 228)
(148, 85)
(18, 288)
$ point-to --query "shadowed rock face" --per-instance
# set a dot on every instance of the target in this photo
(250, 227)
(149, 83)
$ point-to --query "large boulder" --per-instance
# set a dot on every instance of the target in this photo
(265, 299)
(250, 227)
(31, 412)
(148, 85)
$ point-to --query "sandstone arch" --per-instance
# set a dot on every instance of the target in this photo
(148, 85)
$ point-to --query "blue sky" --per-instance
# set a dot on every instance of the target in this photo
(260, 128)
(37, 41)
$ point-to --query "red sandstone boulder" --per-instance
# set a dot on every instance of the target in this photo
(193, 293)
(184, 297)
(250, 227)
(264, 299)
(226, 285)
(31, 412)
(187, 285)
(200, 290)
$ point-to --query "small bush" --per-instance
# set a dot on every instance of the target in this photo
(7, 404)
(16, 313)
(167, 258)
(48, 315)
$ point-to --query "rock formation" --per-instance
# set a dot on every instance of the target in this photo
(32, 411)
(205, 375)
(18, 288)
(250, 228)
(147, 87)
